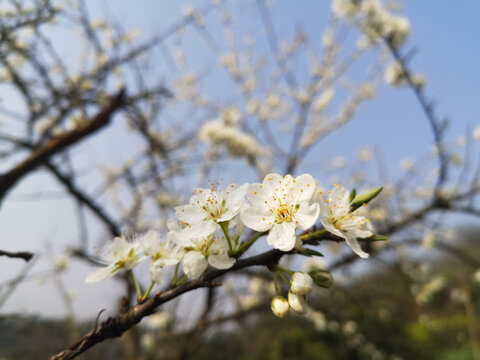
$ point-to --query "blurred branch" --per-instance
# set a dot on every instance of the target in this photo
(435, 124)
(57, 144)
(25, 255)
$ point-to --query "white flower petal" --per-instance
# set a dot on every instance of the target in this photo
(190, 214)
(180, 238)
(221, 261)
(341, 198)
(353, 243)
(282, 236)
(156, 271)
(301, 284)
(173, 225)
(257, 219)
(303, 188)
(297, 303)
(331, 229)
(307, 215)
(236, 195)
(101, 274)
(194, 264)
(272, 186)
(201, 229)
(256, 196)
(149, 241)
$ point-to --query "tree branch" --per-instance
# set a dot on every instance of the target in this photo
(25, 255)
(115, 326)
(57, 144)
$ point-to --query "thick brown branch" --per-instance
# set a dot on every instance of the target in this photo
(117, 325)
(58, 144)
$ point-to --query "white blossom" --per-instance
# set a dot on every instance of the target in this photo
(281, 205)
(476, 133)
(321, 102)
(202, 251)
(301, 283)
(121, 254)
(162, 254)
(208, 207)
(238, 143)
(337, 219)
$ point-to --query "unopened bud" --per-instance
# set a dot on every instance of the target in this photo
(322, 278)
(280, 306)
(297, 303)
(301, 284)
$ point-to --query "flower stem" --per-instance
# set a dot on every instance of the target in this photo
(313, 234)
(135, 282)
(224, 226)
(144, 297)
(175, 274)
(275, 283)
(180, 282)
(246, 245)
(284, 279)
(282, 269)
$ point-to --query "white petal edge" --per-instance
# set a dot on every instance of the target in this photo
(282, 236)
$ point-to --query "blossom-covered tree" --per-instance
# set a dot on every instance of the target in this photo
(177, 134)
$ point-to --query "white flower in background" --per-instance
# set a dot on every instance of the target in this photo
(322, 101)
(394, 74)
(122, 254)
(60, 264)
(297, 303)
(407, 164)
(202, 251)
(301, 283)
(429, 239)
(476, 133)
(281, 205)
(337, 219)
(238, 143)
(339, 162)
(208, 207)
(318, 319)
(280, 306)
(365, 154)
(476, 276)
(162, 254)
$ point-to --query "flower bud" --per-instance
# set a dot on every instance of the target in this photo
(280, 306)
(322, 278)
(301, 283)
(297, 303)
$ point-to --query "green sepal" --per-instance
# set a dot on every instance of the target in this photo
(359, 200)
(353, 194)
(309, 252)
(322, 278)
(375, 237)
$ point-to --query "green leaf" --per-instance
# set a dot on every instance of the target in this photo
(359, 200)
(375, 237)
(309, 252)
(353, 194)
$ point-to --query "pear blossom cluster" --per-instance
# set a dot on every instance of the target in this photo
(207, 232)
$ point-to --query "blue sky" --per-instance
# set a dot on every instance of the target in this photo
(445, 35)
